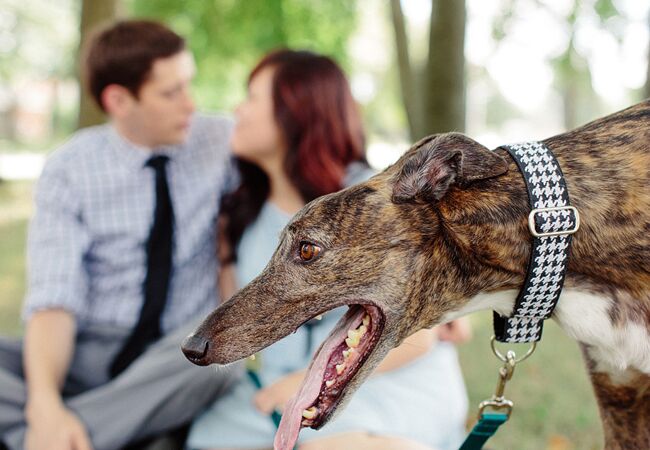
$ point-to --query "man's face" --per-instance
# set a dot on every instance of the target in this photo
(161, 113)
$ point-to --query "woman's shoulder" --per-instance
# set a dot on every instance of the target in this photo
(358, 172)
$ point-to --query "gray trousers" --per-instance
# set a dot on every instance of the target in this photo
(159, 391)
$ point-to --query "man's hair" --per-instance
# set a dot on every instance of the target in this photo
(124, 53)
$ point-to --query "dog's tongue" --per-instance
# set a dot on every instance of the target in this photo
(287, 434)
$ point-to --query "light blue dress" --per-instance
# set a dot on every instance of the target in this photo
(424, 400)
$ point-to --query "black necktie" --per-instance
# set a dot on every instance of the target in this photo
(156, 282)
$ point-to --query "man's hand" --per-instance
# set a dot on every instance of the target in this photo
(276, 395)
(54, 427)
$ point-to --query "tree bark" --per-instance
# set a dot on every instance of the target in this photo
(93, 13)
(406, 78)
(445, 71)
(646, 90)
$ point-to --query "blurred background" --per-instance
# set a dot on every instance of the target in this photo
(500, 70)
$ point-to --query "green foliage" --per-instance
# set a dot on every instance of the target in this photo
(606, 9)
(228, 36)
(34, 37)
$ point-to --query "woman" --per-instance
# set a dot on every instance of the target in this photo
(298, 136)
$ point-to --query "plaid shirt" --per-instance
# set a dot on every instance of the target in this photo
(94, 210)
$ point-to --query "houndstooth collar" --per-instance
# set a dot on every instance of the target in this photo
(551, 221)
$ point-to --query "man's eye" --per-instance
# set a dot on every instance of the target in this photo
(309, 251)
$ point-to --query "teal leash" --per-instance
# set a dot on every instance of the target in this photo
(489, 423)
(254, 377)
(485, 428)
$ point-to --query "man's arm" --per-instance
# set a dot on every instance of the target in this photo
(57, 282)
(49, 346)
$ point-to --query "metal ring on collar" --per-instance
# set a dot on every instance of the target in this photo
(499, 355)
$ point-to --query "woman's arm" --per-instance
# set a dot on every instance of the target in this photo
(416, 345)
(226, 275)
(227, 282)
(411, 349)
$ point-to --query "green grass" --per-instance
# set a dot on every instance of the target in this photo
(15, 204)
(554, 405)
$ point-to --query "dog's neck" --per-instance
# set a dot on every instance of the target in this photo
(605, 304)
(587, 318)
(606, 301)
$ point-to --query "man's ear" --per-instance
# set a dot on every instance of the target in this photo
(117, 100)
(436, 162)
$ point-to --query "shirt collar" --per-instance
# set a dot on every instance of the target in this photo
(135, 156)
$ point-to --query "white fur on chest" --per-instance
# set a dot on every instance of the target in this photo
(584, 317)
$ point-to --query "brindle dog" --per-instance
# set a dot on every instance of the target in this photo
(442, 233)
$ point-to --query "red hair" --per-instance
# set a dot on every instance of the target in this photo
(318, 117)
(321, 125)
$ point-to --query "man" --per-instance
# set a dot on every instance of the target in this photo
(121, 258)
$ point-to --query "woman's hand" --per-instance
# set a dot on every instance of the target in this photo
(276, 395)
(457, 331)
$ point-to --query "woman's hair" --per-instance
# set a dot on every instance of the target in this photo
(321, 126)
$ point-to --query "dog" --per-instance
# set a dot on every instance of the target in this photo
(443, 233)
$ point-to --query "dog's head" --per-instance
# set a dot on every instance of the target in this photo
(383, 247)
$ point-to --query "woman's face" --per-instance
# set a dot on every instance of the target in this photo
(257, 137)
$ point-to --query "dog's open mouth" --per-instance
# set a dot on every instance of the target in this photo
(334, 365)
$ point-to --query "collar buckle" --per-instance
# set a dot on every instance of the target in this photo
(562, 215)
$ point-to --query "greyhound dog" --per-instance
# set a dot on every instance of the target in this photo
(443, 233)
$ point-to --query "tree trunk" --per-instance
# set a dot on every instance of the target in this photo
(406, 79)
(445, 71)
(93, 13)
(646, 90)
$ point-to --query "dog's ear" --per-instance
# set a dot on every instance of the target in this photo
(436, 162)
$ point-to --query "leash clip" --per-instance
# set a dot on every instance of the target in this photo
(498, 401)
(488, 423)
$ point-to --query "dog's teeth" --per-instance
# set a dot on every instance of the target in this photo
(362, 330)
(310, 413)
(353, 338)
(366, 320)
(352, 342)
(319, 317)
(329, 383)
(347, 353)
(340, 368)
(252, 357)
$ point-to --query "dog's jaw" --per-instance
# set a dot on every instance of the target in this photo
(340, 365)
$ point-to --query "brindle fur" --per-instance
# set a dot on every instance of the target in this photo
(447, 222)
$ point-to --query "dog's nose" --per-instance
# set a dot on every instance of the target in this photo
(195, 348)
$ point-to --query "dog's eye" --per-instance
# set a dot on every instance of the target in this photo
(308, 251)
